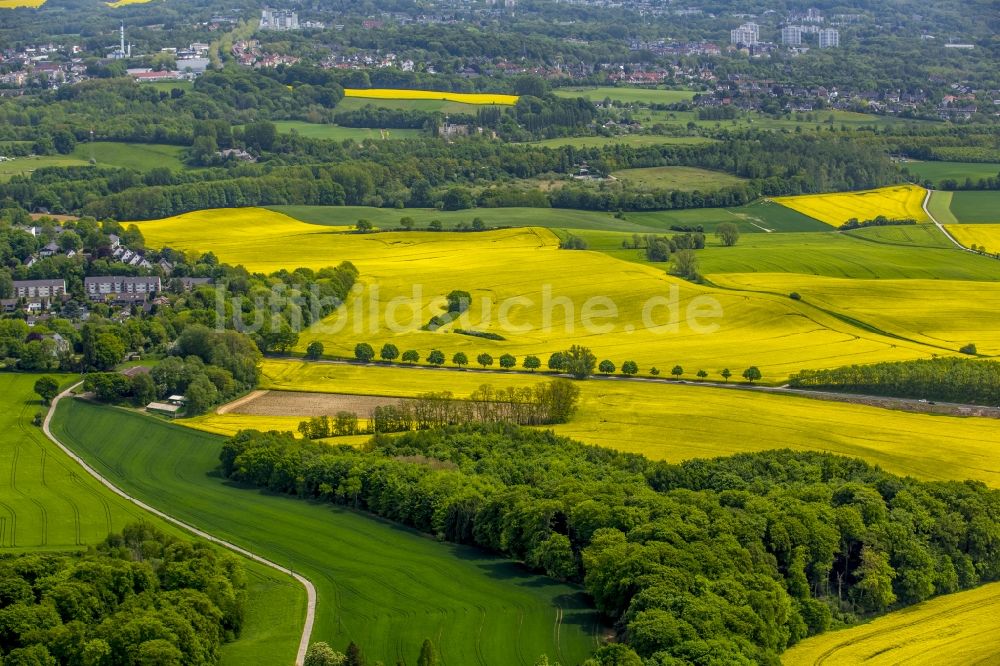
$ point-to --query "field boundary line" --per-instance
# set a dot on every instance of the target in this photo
(305, 582)
(927, 212)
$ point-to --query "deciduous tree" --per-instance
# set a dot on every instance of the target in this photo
(47, 388)
(364, 352)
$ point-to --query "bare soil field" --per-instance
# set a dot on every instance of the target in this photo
(294, 403)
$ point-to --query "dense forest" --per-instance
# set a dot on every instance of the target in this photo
(711, 561)
(961, 380)
(140, 597)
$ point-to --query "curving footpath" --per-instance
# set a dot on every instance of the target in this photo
(310, 589)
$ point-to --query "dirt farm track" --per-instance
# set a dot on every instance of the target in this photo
(294, 403)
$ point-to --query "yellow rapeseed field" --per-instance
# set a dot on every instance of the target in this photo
(14, 4)
(980, 235)
(230, 424)
(677, 422)
(641, 313)
(226, 230)
(898, 202)
(944, 313)
(464, 98)
(951, 630)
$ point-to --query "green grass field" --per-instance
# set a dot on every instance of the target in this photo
(976, 207)
(48, 503)
(138, 156)
(820, 120)
(753, 218)
(919, 252)
(167, 86)
(338, 133)
(939, 207)
(45, 500)
(677, 178)
(938, 171)
(25, 165)
(381, 585)
(916, 235)
(760, 216)
(439, 105)
(626, 94)
(634, 140)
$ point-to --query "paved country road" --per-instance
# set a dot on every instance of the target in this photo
(310, 589)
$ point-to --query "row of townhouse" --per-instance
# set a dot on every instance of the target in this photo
(121, 289)
(38, 295)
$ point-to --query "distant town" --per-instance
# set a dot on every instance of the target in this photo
(685, 63)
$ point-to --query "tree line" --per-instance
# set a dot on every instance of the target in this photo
(139, 597)
(578, 361)
(547, 404)
(878, 221)
(950, 379)
(300, 170)
(734, 558)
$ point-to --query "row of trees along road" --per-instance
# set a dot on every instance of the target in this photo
(577, 360)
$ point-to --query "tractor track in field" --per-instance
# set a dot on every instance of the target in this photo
(309, 587)
(75, 509)
(42, 511)
(948, 611)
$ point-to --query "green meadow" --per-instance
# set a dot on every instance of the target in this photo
(925, 255)
(138, 156)
(959, 171)
(338, 133)
(677, 178)
(626, 95)
(381, 585)
(633, 140)
(20, 166)
(439, 105)
(976, 207)
(47, 502)
(752, 218)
